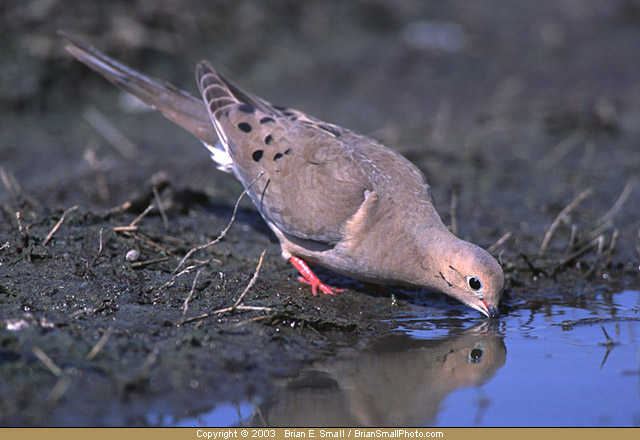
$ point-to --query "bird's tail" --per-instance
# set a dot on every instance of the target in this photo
(177, 105)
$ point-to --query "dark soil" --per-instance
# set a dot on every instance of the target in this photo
(511, 109)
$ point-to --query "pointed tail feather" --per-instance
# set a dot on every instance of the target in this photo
(177, 105)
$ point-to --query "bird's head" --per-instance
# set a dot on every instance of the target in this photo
(471, 275)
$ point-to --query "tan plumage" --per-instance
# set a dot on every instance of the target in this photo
(332, 197)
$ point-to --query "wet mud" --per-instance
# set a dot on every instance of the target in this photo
(524, 117)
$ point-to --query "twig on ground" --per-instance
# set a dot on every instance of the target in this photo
(252, 281)
(99, 249)
(563, 214)
(58, 224)
(133, 226)
(4, 246)
(141, 264)
(179, 274)
(254, 319)
(100, 344)
(137, 220)
(500, 242)
(238, 304)
(224, 231)
(186, 301)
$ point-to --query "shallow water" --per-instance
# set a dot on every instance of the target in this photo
(552, 366)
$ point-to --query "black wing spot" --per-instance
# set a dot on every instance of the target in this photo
(288, 151)
(244, 127)
(257, 155)
(266, 119)
(334, 131)
(247, 108)
(279, 107)
(268, 139)
(277, 156)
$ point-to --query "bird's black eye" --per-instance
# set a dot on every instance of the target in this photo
(474, 283)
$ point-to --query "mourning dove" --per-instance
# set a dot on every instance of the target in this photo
(332, 197)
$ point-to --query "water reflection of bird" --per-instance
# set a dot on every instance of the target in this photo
(396, 382)
(332, 197)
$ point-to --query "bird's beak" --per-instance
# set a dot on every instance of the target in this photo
(490, 312)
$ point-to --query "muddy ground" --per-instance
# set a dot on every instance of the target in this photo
(512, 109)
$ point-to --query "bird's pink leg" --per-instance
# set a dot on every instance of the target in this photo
(308, 277)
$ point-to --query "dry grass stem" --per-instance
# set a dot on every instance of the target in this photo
(563, 148)
(156, 196)
(612, 248)
(111, 133)
(617, 206)
(186, 301)
(5, 246)
(10, 182)
(600, 246)
(120, 208)
(6, 181)
(47, 361)
(563, 214)
(599, 231)
(583, 250)
(224, 231)
(500, 242)
(58, 224)
(137, 220)
(100, 344)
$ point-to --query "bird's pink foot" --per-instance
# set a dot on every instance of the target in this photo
(308, 277)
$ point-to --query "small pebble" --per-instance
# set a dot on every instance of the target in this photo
(133, 255)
